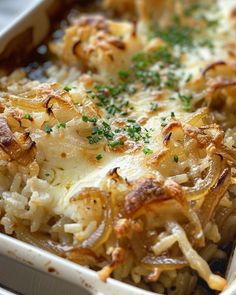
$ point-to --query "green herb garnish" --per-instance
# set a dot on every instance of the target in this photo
(123, 74)
(67, 88)
(147, 151)
(87, 119)
(47, 129)
(99, 157)
(153, 106)
(176, 158)
(61, 125)
(186, 101)
(115, 143)
(27, 116)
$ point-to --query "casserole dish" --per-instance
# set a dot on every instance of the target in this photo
(39, 258)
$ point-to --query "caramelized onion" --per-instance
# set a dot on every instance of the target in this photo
(202, 186)
(164, 262)
(22, 151)
(214, 196)
(101, 234)
(227, 153)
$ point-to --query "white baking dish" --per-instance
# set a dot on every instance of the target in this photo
(36, 18)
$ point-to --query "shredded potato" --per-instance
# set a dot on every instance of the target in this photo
(123, 158)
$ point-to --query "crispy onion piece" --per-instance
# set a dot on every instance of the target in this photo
(145, 192)
(214, 196)
(22, 151)
(102, 233)
(213, 66)
(149, 191)
(195, 261)
(118, 257)
(47, 97)
(227, 153)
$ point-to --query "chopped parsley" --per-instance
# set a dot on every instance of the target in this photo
(27, 116)
(148, 77)
(99, 157)
(192, 8)
(123, 74)
(47, 129)
(67, 88)
(108, 97)
(175, 34)
(87, 119)
(134, 131)
(186, 101)
(115, 143)
(171, 80)
(176, 158)
(163, 55)
(178, 33)
(172, 114)
(153, 106)
(99, 132)
(189, 78)
(147, 151)
(61, 125)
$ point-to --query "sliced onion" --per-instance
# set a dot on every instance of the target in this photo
(164, 262)
(214, 196)
(227, 153)
(202, 186)
(102, 233)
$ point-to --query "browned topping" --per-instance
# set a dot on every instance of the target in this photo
(156, 158)
(98, 21)
(74, 48)
(204, 136)
(174, 190)
(212, 66)
(167, 138)
(170, 126)
(118, 257)
(117, 43)
(22, 150)
(146, 191)
(126, 227)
